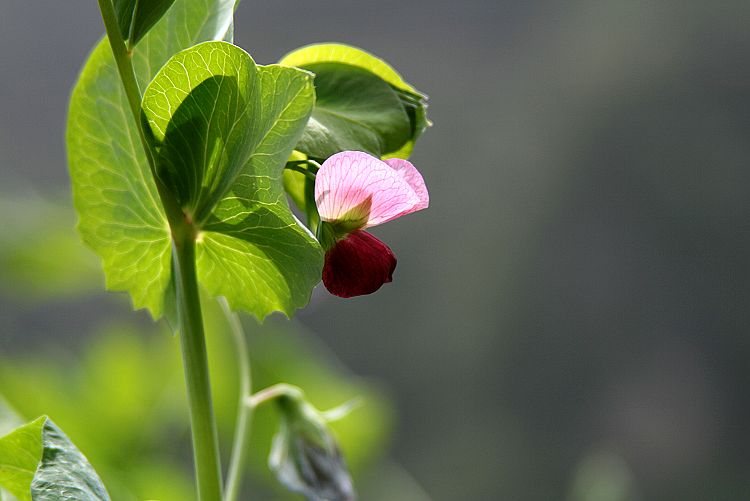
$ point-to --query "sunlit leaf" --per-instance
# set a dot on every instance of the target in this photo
(204, 111)
(37, 461)
(20, 453)
(346, 54)
(136, 17)
(120, 216)
(223, 130)
(412, 101)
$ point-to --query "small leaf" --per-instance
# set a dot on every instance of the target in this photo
(120, 215)
(203, 108)
(20, 452)
(223, 130)
(64, 473)
(38, 462)
(413, 102)
(136, 17)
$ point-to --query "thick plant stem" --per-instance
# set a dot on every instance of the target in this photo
(240, 449)
(195, 361)
(203, 426)
(123, 59)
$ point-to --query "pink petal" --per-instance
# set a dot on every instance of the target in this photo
(412, 176)
(352, 185)
(357, 265)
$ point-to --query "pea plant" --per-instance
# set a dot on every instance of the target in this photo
(184, 157)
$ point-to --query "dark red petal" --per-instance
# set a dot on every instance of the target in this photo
(359, 264)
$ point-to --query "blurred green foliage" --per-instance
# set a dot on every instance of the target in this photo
(121, 399)
(40, 256)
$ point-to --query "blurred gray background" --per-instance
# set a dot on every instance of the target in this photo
(574, 305)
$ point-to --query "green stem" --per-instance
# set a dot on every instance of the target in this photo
(311, 210)
(203, 426)
(273, 392)
(123, 59)
(296, 168)
(244, 412)
(195, 361)
(312, 165)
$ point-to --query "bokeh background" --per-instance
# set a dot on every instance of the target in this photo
(569, 319)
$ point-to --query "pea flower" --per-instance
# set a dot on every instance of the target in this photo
(355, 191)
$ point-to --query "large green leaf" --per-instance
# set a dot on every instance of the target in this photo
(37, 461)
(120, 215)
(204, 111)
(354, 110)
(223, 129)
(413, 102)
(136, 17)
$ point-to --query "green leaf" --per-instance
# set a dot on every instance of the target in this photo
(340, 53)
(120, 215)
(139, 370)
(223, 130)
(413, 102)
(64, 473)
(20, 452)
(203, 109)
(136, 17)
(37, 461)
(354, 110)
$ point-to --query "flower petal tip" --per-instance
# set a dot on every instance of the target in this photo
(357, 265)
(351, 182)
(411, 175)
